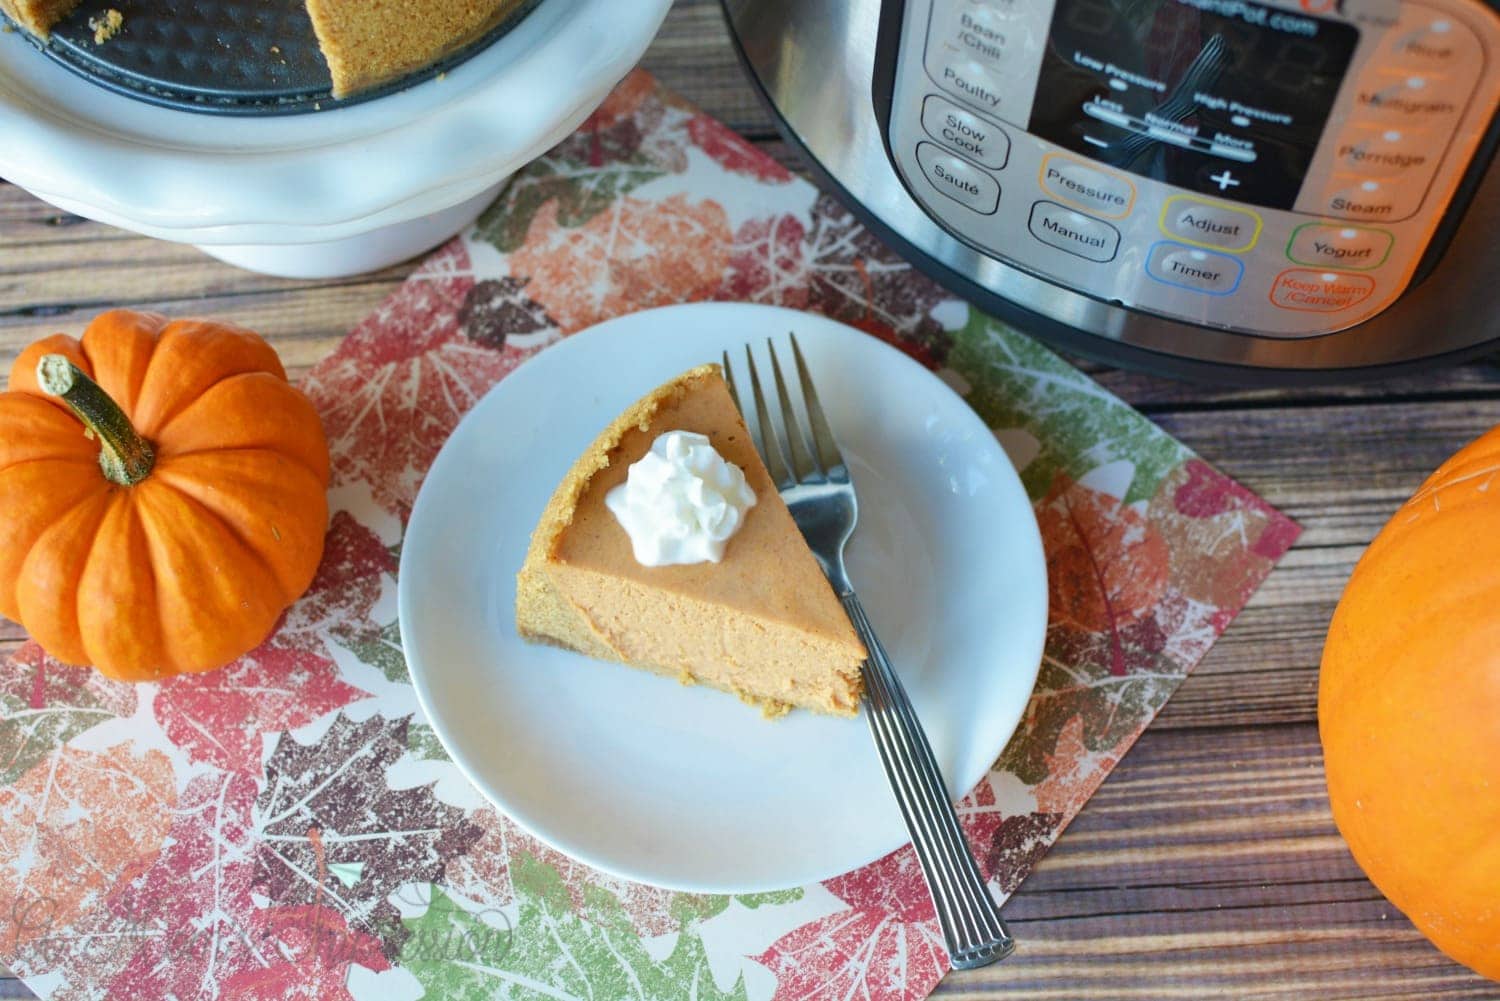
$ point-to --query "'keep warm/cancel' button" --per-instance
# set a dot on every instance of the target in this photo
(1320, 291)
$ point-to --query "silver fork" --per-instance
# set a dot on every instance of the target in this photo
(813, 479)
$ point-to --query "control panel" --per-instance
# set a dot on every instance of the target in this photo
(1273, 167)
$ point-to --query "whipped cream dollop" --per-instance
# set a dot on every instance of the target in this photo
(681, 502)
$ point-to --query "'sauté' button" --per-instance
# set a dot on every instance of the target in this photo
(959, 179)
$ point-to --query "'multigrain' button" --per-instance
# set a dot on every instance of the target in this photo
(959, 179)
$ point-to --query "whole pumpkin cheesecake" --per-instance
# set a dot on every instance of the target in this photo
(364, 43)
(760, 622)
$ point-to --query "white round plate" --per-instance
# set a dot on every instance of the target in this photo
(685, 787)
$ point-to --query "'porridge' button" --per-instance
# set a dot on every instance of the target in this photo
(959, 179)
(1194, 269)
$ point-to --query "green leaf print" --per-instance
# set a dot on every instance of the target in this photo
(548, 951)
(44, 704)
(422, 741)
(382, 650)
(581, 191)
(1017, 383)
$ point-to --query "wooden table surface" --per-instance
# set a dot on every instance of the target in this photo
(1208, 864)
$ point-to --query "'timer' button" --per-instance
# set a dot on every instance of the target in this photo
(959, 179)
(1193, 269)
(1061, 227)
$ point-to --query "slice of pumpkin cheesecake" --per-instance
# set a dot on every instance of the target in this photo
(666, 547)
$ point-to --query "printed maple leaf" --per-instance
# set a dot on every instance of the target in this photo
(765, 263)
(314, 947)
(632, 255)
(887, 943)
(853, 277)
(195, 896)
(483, 873)
(1018, 844)
(551, 950)
(222, 716)
(1106, 563)
(1223, 538)
(733, 151)
(328, 803)
(350, 579)
(72, 828)
(398, 385)
(498, 309)
(1017, 383)
(44, 703)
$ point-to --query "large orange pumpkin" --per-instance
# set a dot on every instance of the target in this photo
(162, 494)
(1409, 708)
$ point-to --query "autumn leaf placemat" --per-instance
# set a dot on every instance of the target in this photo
(289, 827)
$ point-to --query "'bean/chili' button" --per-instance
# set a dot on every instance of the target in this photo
(1320, 291)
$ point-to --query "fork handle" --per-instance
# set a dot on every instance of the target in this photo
(972, 928)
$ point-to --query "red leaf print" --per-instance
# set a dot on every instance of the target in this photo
(633, 255)
(318, 947)
(888, 943)
(196, 894)
(399, 384)
(220, 717)
(732, 152)
(1106, 565)
(1223, 539)
(348, 583)
(765, 263)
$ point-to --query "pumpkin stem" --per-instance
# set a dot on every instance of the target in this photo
(125, 456)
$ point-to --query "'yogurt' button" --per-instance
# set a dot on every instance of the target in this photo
(1319, 291)
(1354, 248)
(965, 132)
(1209, 224)
(1087, 187)
(1194, 269)
(959, 179)
(1074, 232)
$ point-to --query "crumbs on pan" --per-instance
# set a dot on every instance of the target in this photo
(106, 26)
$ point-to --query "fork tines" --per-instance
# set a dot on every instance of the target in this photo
(796, 451)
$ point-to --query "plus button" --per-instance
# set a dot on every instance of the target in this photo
(1224, 179)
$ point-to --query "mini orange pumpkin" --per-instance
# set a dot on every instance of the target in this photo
(1409, 708)
(164, 494)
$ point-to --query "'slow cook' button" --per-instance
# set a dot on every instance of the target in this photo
(1356, 248)
(1074, 232)
(1320, 291)
(1209, 224)
(1194, 269)
(959, 179)
(1086, 187)
(965, 132)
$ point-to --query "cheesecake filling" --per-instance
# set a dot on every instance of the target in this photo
(681, 502)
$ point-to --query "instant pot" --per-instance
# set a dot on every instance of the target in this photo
(1270, 191)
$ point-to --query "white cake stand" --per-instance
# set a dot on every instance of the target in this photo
(333, 193)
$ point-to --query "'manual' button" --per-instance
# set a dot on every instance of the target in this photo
(959, 179)
(1355, 248)
(1320, 291)
(1087, 187)
(1210, 224)
(1061, 227)
(1194, 269)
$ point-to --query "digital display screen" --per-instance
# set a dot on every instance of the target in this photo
(1225, 97)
